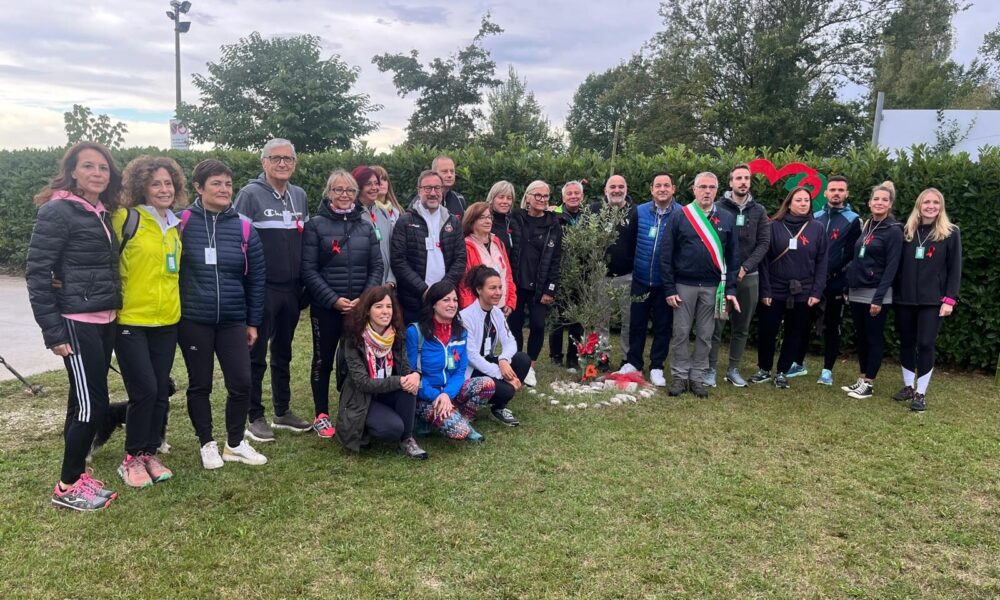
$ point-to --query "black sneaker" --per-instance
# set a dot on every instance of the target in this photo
(556, 359)
(410, 449)
(918, 404)
(503, 415)
(761, 376)
(698, 389)
(905, 393)
(863, 391)
(853, 386)
(678, 386)
(781, 381)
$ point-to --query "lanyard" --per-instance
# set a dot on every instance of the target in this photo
(871, 234)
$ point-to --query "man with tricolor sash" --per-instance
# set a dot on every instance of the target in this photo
(699, 266)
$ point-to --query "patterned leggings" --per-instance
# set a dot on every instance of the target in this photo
(475, 392)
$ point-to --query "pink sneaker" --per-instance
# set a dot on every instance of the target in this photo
(323, 427)
(80, 496)
(97, 486)
(157, 472)
(133, 472)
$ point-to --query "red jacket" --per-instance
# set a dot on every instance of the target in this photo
(472, 260)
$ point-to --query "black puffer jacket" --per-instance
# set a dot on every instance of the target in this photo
(409, 255)
(70, 243)
(233, 288)
(340, 256)
(548, 271)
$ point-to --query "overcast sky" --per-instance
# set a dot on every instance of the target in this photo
(117, 56)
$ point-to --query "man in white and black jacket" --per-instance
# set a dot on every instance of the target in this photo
(427, 246)
(278, 211)
(755, 238)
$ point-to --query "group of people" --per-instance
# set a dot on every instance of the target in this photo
(422, 309)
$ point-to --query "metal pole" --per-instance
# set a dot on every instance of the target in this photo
(879, 105)
(177, 59)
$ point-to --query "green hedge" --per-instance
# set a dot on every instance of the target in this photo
(971, 338)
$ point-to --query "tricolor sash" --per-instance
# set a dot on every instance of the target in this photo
(710, 238)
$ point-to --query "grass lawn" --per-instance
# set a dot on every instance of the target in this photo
(802, 493)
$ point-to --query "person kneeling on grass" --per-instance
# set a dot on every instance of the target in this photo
(484, 321)
(436, 346)
(379, 394)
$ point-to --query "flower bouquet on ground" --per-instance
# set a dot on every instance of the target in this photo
(594, 355)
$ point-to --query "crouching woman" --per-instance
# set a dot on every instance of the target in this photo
(379, 395)
(437, 347)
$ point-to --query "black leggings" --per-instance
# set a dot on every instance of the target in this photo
(796, 333)
(536, 322)
(918, 328)
(504, 393)
(281, 316)
(228, 342)
(327, 327)
(831, 310)
(869, 337)
(390, 416)
(88, 392)
(146, 355)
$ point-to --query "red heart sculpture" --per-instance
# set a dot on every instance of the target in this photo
(810, 180)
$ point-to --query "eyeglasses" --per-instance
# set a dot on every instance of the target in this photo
(431, 188)
(706, 187)
(539, 197)
(486, 217)
(339, 191)
(277, 160)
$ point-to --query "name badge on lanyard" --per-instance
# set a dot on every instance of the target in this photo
(861, 253)
(286, 216)
(741, 220)
(919, 253)
(210, 257)
(652, 231)
(378, 234)
(793, 244)
(172, 263)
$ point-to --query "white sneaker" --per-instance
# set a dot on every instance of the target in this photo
(529, 379)
(656, 378)
(243, 453)
(164, 448)
(210, 458)
(626, 369)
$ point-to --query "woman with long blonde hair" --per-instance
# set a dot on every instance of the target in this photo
(930, 273)
(387, 200)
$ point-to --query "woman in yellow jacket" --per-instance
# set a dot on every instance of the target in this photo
(147, 323)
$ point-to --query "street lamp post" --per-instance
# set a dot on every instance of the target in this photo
(180, 27)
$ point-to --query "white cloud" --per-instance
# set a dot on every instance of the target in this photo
(119, 57)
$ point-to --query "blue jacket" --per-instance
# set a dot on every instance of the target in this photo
(646, 231)
(842, 227)
(429, 357)
(685, 259)
(233, 288)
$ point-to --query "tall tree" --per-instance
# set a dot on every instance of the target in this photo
(279, 87)
(516, 116)
(450, 90)
(82, 125)
(915, 69)
(767, 72)
(626, 97)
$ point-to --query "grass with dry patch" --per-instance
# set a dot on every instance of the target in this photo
(802, 493)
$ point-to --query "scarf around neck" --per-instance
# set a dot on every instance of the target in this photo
(378, 347)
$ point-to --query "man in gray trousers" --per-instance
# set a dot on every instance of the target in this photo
(699, 265)
(755, 238)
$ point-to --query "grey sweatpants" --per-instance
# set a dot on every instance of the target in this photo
(697, 312)
(746, 293)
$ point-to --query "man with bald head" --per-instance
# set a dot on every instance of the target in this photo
(619, 255)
